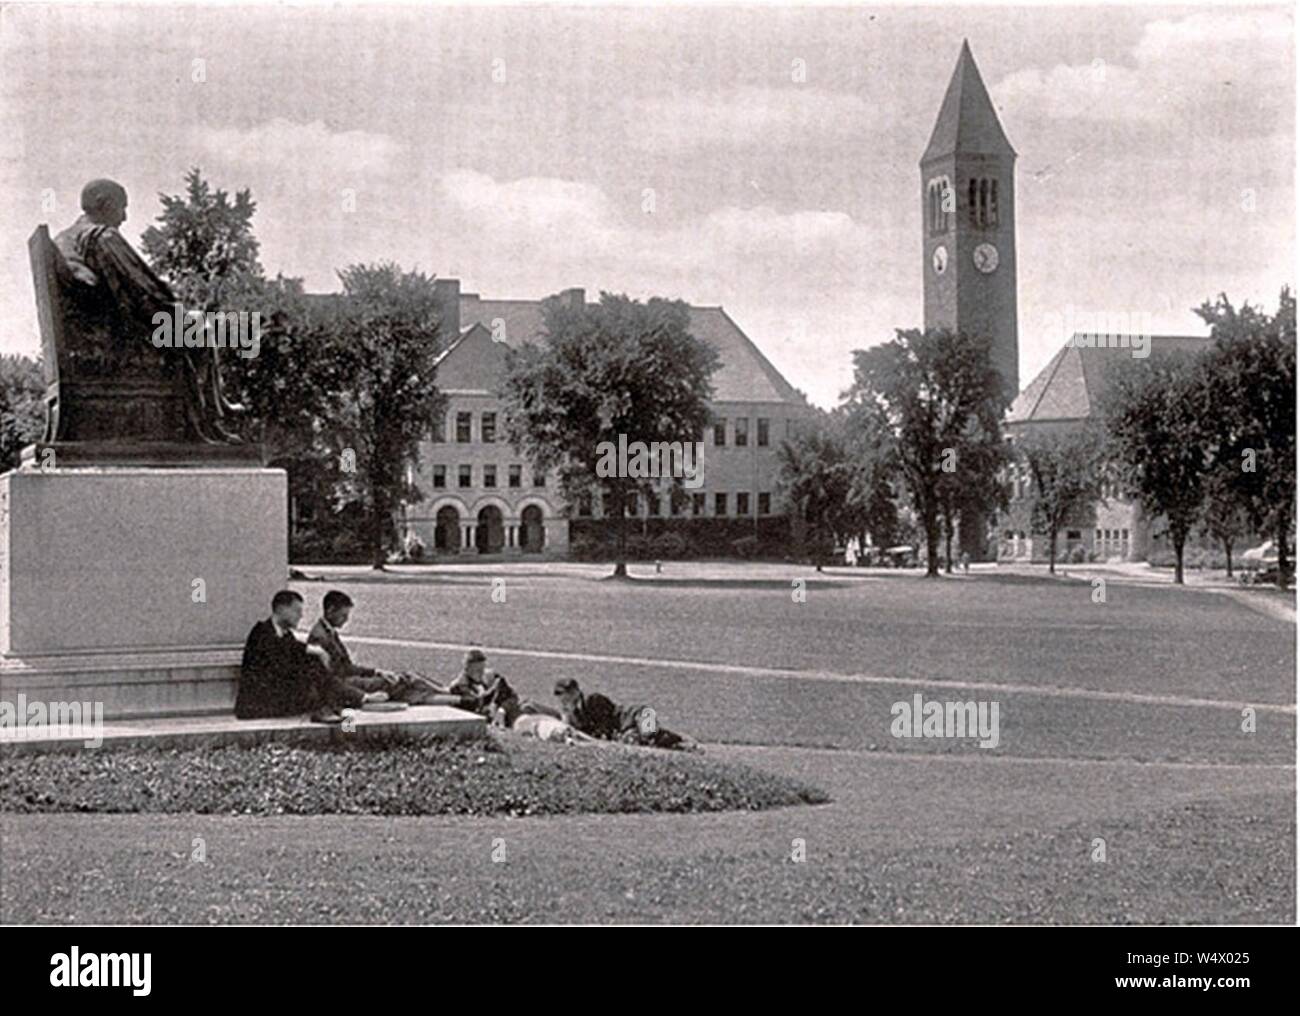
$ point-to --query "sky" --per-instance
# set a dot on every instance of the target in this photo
(759, 158)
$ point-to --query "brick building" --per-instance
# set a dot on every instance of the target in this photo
(1065, 394)
(482, 497)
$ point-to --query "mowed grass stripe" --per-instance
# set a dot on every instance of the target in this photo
(738, 670)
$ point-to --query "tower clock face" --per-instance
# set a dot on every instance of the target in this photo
(940, 260)
(986, 257)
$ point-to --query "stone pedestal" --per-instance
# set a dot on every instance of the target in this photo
(136, 587)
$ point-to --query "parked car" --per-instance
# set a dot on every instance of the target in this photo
(1261, 566)
(902, 556)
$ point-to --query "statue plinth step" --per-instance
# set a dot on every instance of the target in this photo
(161, 454)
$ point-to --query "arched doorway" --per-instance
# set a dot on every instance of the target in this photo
(446, 530)
(532, 533)
(491, 535)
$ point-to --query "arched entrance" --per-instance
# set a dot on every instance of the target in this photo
(491, 535)
(532, 532)
(446, 530)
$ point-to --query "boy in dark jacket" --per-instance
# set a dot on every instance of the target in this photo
(601, 717)
(279, 676)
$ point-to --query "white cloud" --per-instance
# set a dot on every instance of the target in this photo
(1232, 69)
(743, 230)
(747, 116)
(529, 203)
(300, 148)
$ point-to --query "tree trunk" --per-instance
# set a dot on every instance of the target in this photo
(947, 544)
(1180, 542)
(1051, 553)
(377, 527)
(1227, 553)
(620, 556)
(1283, 561)
(932, 548)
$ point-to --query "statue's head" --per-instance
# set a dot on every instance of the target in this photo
(104, 201)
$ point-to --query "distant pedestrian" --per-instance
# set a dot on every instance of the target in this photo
(965, 562)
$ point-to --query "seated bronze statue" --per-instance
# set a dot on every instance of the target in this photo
(106, 381)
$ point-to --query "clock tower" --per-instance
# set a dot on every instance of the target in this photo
(969, 221)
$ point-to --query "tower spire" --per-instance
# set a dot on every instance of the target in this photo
(967, 121)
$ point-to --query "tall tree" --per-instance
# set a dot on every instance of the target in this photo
(1066, 469)
(1249, 400)
(1157, 435)
(22, 407)
(616, 369)
(205, 246)
(378, 365)
(204, 243)
(1224, 513)
(817, 477)
(873, 493)
(939, 398)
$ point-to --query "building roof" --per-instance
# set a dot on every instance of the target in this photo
(743, 375)
(1070, 386)
(967, 122)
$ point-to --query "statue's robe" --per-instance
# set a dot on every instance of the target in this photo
(119, 289)
(120, 281)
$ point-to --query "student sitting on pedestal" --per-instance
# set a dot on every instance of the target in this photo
(280, 676)
(409, 688)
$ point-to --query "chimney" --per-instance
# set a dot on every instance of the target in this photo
(575, 298)
(446, 297)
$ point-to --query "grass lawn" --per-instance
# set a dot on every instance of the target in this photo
(1120, 721)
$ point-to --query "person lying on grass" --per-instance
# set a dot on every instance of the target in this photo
(335, 612)
(532, 719)
(600, 717)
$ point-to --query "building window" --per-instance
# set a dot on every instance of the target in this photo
(763, 427)
(584, 505)
(465, 477)
(742, 503)
(463, 427)
(742, 431)
(789, 429)
(675, 500)
(720, 432)
(764, 503)
(652, 504)
(1073, 534)
(439, 477)
(439, 434)
(697, 504)
(539, 479)
(719, 504)
(516, 476)
(488, 428)
(489, 476)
